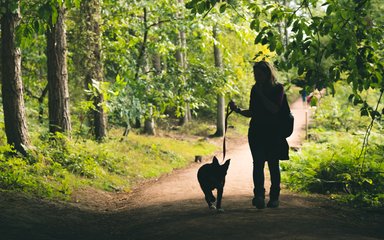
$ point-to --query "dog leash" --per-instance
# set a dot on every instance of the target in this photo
(228, 112)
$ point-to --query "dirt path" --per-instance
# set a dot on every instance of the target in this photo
(173, 208)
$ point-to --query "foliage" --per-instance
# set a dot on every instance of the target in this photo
(332, 161)
(337, 40)
(331, 166)
(58, 165)
(37, 175)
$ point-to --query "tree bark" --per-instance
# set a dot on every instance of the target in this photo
(220, 129)
(12, 87)
(181, 58)
(93, 64)
(58, 95)
(149, 123)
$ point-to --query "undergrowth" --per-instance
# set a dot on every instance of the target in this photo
(332, 161)
(57, 165)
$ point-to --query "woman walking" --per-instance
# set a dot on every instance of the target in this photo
(264, 135)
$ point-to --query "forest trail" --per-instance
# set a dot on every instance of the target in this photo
(173, 207)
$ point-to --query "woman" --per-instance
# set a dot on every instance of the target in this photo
(265, 140)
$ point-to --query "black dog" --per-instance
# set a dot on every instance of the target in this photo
(212, 176)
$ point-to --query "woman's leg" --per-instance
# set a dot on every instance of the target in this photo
(274, 193)
(258, 156)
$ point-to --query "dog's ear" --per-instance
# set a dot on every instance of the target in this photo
(226, 164)
(215, 161)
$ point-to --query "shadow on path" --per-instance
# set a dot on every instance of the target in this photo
(298, 218)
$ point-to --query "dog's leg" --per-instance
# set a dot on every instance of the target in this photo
(219, 197)
(209, 198)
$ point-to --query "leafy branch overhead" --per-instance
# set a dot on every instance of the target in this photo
(327, 41)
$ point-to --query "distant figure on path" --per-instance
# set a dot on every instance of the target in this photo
(303, 94)
(264, 137)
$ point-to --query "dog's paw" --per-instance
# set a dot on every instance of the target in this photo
(212, 207)
(220, 210)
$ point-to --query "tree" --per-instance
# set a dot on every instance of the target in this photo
(12, 87)
(93, 67)
(339, 40)
(58, 94)
(220, 128)
(181, 57)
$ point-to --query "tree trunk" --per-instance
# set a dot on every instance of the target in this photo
(181, 57)
(58, 95)
(93, 66)
(220, 98)
(149, 123)
(12, 87)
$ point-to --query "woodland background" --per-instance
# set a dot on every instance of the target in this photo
(105, 93)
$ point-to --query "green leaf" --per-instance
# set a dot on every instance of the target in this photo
(289, 22)
(264, 41)
(299, 36)
(201, 7)
(357, 100)
(279, 48)
(272, 44)
(190, 5)
(344, 15)
(364, 111)
(36, 26)
(255, 25)
(259, 37)
(350, 98)
(300, 70)
(223, 7)
(295, 26)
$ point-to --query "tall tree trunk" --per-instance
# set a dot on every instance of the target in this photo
(220, 98)
(93, 63)
(181, 58)
(149, 122)
(12, 87)
(58, 95)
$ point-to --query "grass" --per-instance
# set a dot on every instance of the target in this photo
(55, 168)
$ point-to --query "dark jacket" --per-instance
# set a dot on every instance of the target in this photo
(264, 126)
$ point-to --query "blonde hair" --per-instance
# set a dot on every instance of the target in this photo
(268, 69)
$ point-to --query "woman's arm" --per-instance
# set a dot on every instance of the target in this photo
(236, 109)
(244, 112)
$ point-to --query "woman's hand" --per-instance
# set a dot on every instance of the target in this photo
(233, 106)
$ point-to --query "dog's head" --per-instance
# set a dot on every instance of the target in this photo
(222, 169)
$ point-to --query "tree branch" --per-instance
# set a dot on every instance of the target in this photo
(368, 132)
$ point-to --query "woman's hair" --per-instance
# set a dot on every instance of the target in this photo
(267, 69)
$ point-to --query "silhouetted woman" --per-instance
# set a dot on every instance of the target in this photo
(264, 137)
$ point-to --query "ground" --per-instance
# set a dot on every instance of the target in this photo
(173, 207)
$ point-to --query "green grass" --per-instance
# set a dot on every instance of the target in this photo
(55, 168)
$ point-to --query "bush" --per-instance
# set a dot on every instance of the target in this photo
(57, 165)
(333, 162)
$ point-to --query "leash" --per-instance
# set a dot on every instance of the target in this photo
(228, 112)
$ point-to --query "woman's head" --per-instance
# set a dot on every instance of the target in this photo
(264, 73)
